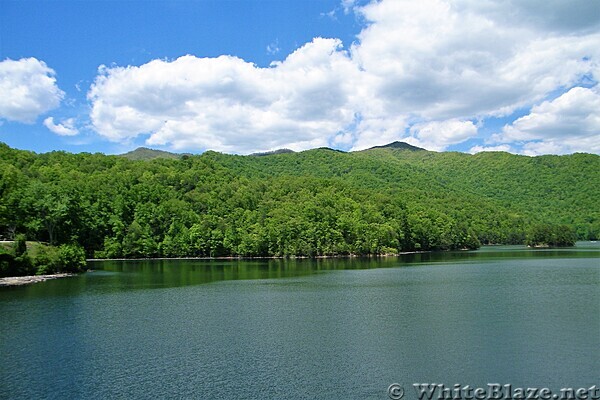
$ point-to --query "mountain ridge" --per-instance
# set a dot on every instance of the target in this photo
(146, 153)
(398, 146)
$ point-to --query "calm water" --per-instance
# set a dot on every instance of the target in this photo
(323, 329)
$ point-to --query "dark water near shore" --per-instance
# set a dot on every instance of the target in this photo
(329, 328)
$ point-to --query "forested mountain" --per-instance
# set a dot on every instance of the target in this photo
(398, 145)
(315, 202)
(144, 153)
(270, 153)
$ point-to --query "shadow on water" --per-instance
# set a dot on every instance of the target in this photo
(144, 274)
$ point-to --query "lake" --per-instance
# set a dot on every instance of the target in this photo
(306, 329)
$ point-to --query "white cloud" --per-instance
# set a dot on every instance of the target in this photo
(438, 135)
(377, 131)
(420, 71)
(479, 149)
(228, 104)
(549, 15)
(27, 89)
(431, 135)
(439, 60)
(569, 123)
(65, 128)
(436, 60)
(543, 147)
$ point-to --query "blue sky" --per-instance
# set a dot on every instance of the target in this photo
(462, 75)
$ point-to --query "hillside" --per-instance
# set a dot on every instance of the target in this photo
(143, 153)
(399, 146)
(314, 202)
(270, 153)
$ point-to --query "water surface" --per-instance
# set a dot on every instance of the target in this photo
(330, 328)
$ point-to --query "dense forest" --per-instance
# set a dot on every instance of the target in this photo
(312, 203)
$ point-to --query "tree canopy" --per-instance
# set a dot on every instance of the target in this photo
(312, 203)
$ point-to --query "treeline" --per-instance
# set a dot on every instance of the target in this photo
(318, 202)
(551, 236)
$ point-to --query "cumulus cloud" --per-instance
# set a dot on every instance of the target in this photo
(443, 59)
(438, 135)
(435, 60)
(548, 15)
(65, 128)
(371, 132)
(420, 71)
(569, 123)
(27, 89)
(228, 104)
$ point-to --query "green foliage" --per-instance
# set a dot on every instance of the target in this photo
(312, 203)
(42, 260)
(71, 258)
(551, 235)
(17, 262)
(22, 265)
(47, 261)
(20, 245)
(138, 241)
(143, 153)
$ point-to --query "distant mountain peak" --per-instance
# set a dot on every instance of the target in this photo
(398, 145)
(144, 153)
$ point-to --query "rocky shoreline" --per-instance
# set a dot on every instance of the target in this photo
(26, 280)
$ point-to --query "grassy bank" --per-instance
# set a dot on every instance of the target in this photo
(25, 258)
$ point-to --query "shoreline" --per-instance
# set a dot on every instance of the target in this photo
(30, 279)
(229, 258)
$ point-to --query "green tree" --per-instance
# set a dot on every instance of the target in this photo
(138, 242)
(551, 235)
(71, 258)
(47, 207)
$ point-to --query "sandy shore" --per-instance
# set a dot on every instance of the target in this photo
(26, 280)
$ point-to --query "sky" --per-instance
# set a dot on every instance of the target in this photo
(257, 75)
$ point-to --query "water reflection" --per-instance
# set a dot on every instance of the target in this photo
(121, 274)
